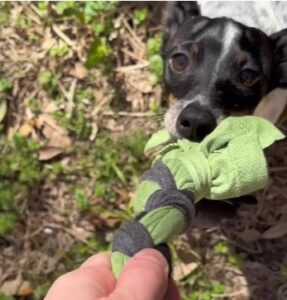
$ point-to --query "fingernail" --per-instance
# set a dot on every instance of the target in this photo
(154, 256)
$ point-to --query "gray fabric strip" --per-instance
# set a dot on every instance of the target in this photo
(182, 200)
(131, 238)
(161, 174)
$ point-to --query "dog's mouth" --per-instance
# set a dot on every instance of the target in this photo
(194, 121)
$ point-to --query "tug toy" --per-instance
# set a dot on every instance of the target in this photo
(228, 163)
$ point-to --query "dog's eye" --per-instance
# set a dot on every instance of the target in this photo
(179, 62)
(249, 77)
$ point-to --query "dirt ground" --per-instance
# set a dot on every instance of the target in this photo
(90, 115)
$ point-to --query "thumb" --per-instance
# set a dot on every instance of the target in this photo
(145, 277)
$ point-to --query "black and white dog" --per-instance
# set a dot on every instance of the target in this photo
(216, 67)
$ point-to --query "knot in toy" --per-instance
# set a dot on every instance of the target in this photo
(228, 163)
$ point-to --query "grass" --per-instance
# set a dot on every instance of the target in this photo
(236, 261)
(19, 170)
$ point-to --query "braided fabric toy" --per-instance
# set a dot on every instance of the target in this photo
(228, 163)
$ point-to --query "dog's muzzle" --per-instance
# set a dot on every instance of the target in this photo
(195, 122)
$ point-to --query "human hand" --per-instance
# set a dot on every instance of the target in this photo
(145, 277)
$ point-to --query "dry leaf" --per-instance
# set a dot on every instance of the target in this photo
(59, 141)
(25, 289)
(79, 71)
(112, 223)
(94, 132)
(47, 153)
(275, 232)
(181, 270)
(17, 287)
(48, 120)
(112, 125)
(3, 110)
(250, 235)
(272, 106)
(56, 138)
(50, 108)
(10, 287)
(26, 129)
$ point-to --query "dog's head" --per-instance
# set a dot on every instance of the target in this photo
(215, 68)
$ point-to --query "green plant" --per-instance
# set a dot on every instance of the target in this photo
(154, 45)
(83, 94)
(23, 23)
(81, 199)
(80, 252)
(100, 189)
(234, 260)
(98, 53)
(59, 51)
(107, 162)
(5, 297)
(62, 7)
(221, 248)
(40, 291)
(5, 85)
(156, 67)
(33, 38)
(207, 290)
(7, 222)
(19, 170)
(135, 144)
(154, 57)
(43, 7)
(95, 8)
(48, 81)
(154, 106)
(140, 15)
(35, 105)
(4, 13)
(77, 124)
(237, 261)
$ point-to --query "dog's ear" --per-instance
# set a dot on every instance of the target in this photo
(175, 14)
(279, 66)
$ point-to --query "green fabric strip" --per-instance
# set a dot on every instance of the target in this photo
(145, 189)
(163, 223)
(118, 260)
(158, 139)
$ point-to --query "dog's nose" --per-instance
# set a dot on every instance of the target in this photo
(195, 122)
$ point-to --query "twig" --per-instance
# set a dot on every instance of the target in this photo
(234, 294)
(69, 231)
(132, 33)
(132, 67)
(241, 246)
(129, 114)
(69, 96)
(98, 108)
(62, 36)
(35, 9)
(31, 14)
(132, 55)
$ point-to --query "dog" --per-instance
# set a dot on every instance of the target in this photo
(216, 67)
